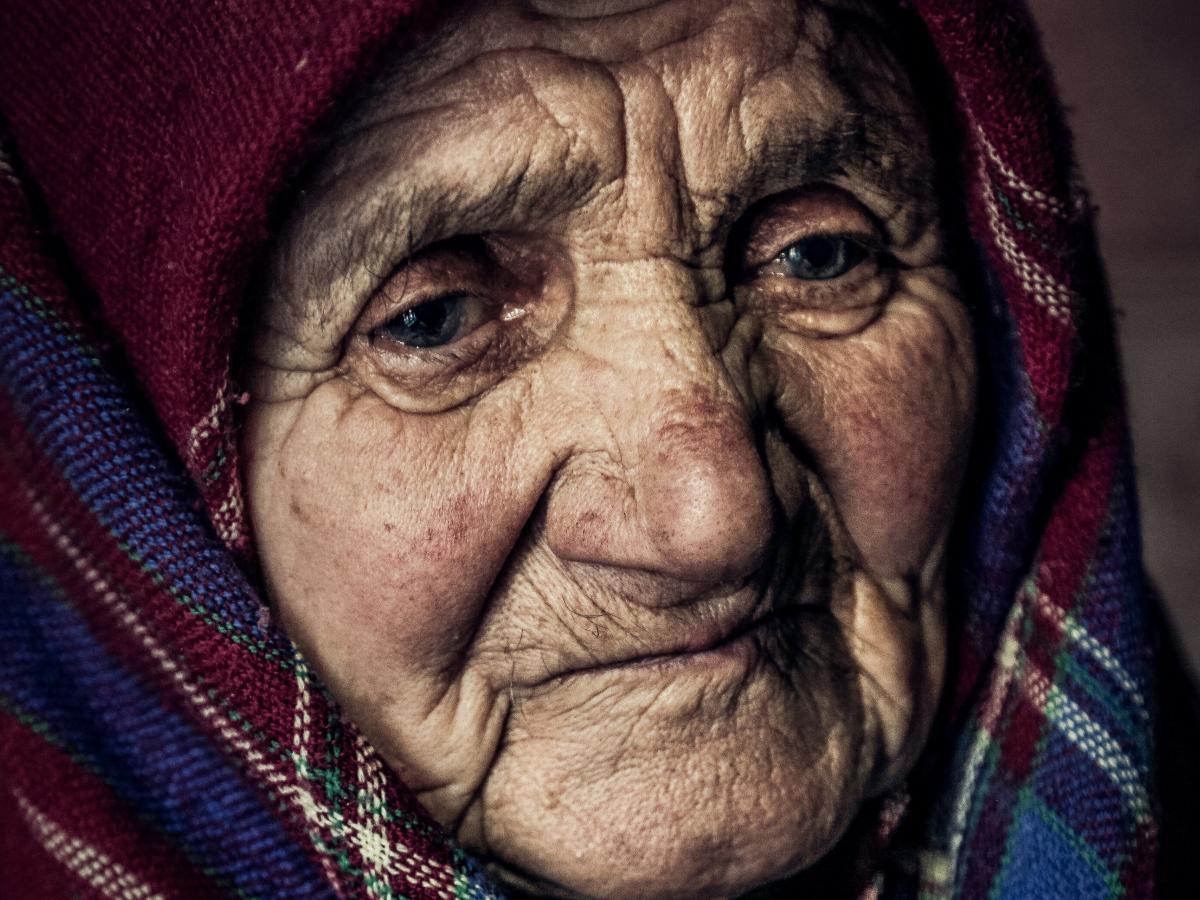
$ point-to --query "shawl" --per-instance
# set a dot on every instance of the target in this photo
(160, 736)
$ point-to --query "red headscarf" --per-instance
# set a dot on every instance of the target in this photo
(158, 735)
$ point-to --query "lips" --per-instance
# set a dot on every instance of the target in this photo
(729, 648)
(709, 641)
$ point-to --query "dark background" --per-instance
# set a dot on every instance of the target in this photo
(1130, 76)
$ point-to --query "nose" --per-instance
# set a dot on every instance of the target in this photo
(677, 489)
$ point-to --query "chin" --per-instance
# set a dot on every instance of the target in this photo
(703, 775)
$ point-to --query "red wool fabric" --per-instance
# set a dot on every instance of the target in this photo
(158, 134)
(158, 736)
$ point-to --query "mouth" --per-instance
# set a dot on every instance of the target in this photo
(738, 646)
(714, 646)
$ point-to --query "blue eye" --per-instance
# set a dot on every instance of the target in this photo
(822, 257)
(430, 324)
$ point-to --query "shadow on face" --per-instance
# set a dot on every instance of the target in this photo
(609, 404)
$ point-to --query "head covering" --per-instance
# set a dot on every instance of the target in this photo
(159, 735)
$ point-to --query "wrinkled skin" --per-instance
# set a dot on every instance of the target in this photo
(627, 556)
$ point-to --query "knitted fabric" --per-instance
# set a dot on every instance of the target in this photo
(159, 735)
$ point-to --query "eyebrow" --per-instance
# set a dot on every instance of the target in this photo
(874, 145)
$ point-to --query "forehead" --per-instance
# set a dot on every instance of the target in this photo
(510, 114)
(683, 41)
(616, 31)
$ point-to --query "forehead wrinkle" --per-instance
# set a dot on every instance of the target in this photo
(462, 38)
(422, 85)
(636, 34)
(587, 9)
(838, 130)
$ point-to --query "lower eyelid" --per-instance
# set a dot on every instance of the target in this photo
(454, 373)
(772, 293)
(462, 350)
(823, 324)
(396, 371)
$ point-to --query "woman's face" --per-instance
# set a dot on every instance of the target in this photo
(609, 402)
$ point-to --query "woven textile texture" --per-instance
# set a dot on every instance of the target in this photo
(159, 736)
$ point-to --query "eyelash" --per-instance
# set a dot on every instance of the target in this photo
(449, 358)
(379, 331)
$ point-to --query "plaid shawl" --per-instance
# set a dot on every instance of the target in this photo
(159, 736)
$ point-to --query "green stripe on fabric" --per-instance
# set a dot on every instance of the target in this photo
(1068, 667)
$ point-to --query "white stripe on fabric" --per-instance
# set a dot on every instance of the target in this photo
(1080, 636)
(1090, 737)
(91, 865)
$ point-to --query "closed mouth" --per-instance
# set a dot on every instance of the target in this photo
(727, 642)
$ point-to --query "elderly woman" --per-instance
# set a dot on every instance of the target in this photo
(637, 410)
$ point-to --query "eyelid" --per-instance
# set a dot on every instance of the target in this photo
(447, 358)
(438, 272)
(871, 244)
(823, 324)
(818, 210)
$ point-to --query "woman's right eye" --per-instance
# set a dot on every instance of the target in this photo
(455, 319)
(434, 323)
(822, 257)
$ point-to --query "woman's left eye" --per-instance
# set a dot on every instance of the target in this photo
(822, 257)
(433, 323)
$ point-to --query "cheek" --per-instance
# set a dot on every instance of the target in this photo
(381, 532)
(886, 416)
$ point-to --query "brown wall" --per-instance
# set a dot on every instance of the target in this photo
(1130, 74)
